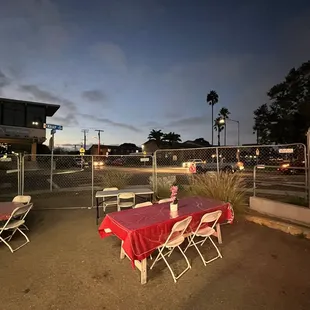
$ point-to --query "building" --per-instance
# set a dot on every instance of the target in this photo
(123, 149)
(21, 123)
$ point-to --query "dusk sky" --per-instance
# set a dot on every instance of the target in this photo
(127, 66)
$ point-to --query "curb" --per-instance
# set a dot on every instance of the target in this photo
(288, 228)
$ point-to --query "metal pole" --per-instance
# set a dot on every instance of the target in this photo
(92, 181)
(238, 132)
(254, 181)
(18, 175)
(308, 166)
(52, 162)
(217, 160)
(98, 142)
(23, 174)
(225, 132)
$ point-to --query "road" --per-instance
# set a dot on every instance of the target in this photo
(39, 180)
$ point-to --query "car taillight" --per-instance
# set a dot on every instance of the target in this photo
(240, 164)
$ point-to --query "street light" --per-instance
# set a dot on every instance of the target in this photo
(222, 121)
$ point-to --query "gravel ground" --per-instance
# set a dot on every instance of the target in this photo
(67, 266)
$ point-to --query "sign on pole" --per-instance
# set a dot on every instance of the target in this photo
(52, 126)
(286, 151)
(144, 159)
(51, 143)
(82, 151)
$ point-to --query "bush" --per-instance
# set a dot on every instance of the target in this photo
(222, 186)
(115, 179)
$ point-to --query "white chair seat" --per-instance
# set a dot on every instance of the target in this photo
(175, 242)
(206, 231)
(13, 224)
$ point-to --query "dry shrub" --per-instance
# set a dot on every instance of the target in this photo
(222, 186)
(115, 179)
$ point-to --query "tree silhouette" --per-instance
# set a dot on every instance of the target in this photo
(156, 135)
(172, 137)
(212, 99)
(224, 113)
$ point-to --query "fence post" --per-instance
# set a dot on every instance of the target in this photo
(22, 160)
(154, 173)
(308, 166)
(254, 181)
(217, 160)
(18, 175)
(92, 181)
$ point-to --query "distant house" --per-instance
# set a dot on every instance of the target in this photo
(123, 149)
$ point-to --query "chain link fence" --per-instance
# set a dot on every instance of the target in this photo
(70, 181)
(284, 175)
(10, 181)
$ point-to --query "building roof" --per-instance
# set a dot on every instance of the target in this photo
(51, 109)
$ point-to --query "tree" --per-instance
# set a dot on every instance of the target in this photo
(156, 135)
(219, 128)
(224, 113)
(286, 118)
(171, 137)
(212, 99)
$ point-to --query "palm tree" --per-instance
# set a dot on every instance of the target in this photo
(172, 137)
(156, 135)
(224, 113)
(218, 127)
(212, 99)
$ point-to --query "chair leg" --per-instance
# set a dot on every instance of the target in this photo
(11, 249)
(2, 240)
(219, 255)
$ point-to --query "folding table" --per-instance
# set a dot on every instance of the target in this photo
(143, 230)
(136, 190)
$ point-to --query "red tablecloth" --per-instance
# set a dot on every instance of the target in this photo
(6, 208)
(143, 230)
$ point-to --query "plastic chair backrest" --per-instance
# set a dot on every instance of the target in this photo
(164, 200)
(143, 204)
(211, 217)
(22, 199)
(126, 195)
(181, 225)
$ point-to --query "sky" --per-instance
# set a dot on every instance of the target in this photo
(128, 66)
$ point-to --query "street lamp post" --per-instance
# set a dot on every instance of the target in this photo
(223, 121)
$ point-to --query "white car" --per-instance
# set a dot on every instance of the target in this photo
(192, 161)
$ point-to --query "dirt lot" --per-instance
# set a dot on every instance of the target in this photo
(67, 266)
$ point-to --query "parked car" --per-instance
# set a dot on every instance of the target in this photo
(292, 167)
(226, 166)
(192, 161)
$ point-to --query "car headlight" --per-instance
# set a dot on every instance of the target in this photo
(285, 165)
(101, 163)
(96, 163)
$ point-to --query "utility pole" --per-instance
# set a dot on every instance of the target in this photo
(85, 131)
(99, 131)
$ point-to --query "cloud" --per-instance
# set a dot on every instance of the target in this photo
(68, 117)
(94, 95)
(4, 80)
(189, 122)
(109, 122)
(111, 55)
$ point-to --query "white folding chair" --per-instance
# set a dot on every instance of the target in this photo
(206, 232)
(143, 204)
(125, 200)
(174, 240)
(22, 199)
(14, 225)
(164, 200)
(110, 201)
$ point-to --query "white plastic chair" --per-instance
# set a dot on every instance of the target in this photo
(174, 240)
(164, 200)
(206, 232)
(143, 204)
(125, 200)
(111, 201)
(14, 225)
(22, 199)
